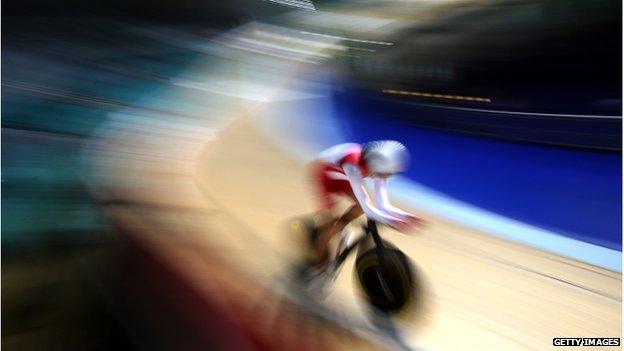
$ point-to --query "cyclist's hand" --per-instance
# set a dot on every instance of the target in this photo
(413, 220)
(417, 220)
(384, 218)
(399, 224)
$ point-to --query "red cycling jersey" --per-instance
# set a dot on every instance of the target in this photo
(330, 176)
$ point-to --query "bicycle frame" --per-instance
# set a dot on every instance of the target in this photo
(370, 229)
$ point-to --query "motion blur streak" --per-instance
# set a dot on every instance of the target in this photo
(308, 5)
(441, 96)
(155, 153)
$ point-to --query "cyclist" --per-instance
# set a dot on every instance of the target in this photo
(340, 171)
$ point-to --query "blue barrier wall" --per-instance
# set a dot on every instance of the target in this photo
(574, 192)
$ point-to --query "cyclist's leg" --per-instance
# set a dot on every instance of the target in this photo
(331, 230)
(330, 188)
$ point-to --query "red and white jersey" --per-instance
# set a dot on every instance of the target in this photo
(338, 155)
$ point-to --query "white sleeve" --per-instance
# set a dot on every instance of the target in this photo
(381, 197)
(355, 179)
(337, 152)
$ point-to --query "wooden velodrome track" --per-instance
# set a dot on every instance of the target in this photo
(480, 292)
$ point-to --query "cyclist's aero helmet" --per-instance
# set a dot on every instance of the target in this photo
(385, 157)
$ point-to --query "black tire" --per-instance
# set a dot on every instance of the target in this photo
(390, 286)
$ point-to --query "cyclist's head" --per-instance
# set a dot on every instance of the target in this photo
(385, 157)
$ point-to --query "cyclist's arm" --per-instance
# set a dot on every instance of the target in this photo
(355, 179)
(381, 195)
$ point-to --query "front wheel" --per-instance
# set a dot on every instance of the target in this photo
(387, 283)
